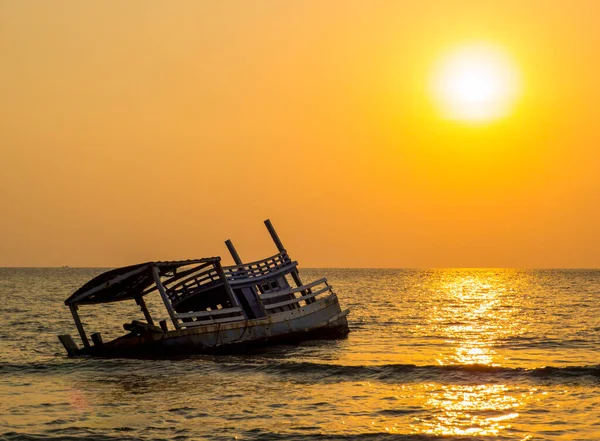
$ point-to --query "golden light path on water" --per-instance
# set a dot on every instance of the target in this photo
(473, 304)
(472, 320)
(470, 312)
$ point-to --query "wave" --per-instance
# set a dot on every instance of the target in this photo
(269, 436)
(408, 373)
(525, 343)
(317, 372)
(254, 435)
(59, 365)
(14, 436)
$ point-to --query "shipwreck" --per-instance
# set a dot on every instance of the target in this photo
(210, 308)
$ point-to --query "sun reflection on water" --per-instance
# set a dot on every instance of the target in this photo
(477, 312)
(482, 410)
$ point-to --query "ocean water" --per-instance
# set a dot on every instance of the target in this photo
(460, 354)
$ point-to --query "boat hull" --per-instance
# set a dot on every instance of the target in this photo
(321, 319)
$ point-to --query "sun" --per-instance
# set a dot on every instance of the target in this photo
(475, 83)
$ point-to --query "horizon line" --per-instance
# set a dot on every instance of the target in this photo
(340, 267)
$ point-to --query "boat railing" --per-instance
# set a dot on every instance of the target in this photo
(260, 268)
(193, 284)
(307, 293)
(200, 318)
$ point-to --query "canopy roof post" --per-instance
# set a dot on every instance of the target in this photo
(230, 294)
(84, 338)
(163, 294)
(233, 252)
(142, 304)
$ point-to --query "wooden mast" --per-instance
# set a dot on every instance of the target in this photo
(165, 298)
(84, 338)
(233, 252)
(274, 236)
(281, 248)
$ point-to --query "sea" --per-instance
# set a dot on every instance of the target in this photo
(452, 354)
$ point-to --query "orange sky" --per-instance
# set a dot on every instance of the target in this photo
(133, 131)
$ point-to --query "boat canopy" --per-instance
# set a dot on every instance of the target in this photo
(128, 282)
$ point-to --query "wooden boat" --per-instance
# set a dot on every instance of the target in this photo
(211, 308)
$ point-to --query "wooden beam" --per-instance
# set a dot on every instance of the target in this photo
(306, 297)
(281, 248)
(235, 309)
(230, 294)
(84, 338)
(233, 252)
(213, 321)
(97, 339)
(296, 277)
(286, 291)
(69, 344)
(165, 298)
(142, 304)
(274, 235)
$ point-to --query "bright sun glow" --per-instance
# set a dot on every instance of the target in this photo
(476, 83)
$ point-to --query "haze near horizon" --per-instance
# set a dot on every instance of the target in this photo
(372, 134)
